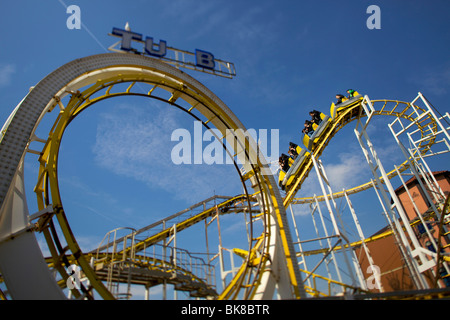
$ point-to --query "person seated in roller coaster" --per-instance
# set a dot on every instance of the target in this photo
(315, 117)
(283, 161)
(351, 93)
(308, 129)
(293, 150)
(339, 98)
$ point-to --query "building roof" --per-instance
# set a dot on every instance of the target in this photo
(413, 179)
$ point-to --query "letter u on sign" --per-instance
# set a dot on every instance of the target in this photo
(150, 47)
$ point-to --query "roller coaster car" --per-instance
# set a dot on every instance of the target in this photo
(309, 141)
(286, 178)
(347, 103)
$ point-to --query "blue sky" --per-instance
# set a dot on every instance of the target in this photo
(290, 57)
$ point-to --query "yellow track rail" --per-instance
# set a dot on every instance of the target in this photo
(47, 189)
(103, 260)
(344, 118)
(166, 233)
(392, 108)
(202, 105)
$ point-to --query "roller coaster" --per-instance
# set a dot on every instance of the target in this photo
(154, 256)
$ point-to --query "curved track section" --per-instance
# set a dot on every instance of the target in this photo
(87, 81)
(422, 122)
(426, 124)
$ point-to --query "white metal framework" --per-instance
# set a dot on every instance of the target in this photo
(427, 135)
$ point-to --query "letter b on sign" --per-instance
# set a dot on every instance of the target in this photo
(74, 21)
(204, 59)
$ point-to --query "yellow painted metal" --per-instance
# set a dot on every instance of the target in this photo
(315, 292)
(166, 233)
(244, 253)
(232, 290)
(57, 203)
(150, 263)
(47, 185)
(445, 211)
(343, 119)
(376, 237)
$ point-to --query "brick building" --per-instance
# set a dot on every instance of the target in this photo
(385, 251)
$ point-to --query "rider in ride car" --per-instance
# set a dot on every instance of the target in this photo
(283, 161)
(293, 150)
(351, 93)
(308, 128)
(315, 117)
(339, 98)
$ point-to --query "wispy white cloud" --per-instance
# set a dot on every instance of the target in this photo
(348, 172)
(86, 242)
(6, 72)
(435, 80)
(301, 210)
(136, 143)
(89, 243)
(118, 212)
(242, 22)
(247, 26)
(384, 143)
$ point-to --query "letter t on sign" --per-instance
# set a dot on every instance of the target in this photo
(127, 36)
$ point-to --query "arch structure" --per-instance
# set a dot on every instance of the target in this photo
(84, 82)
